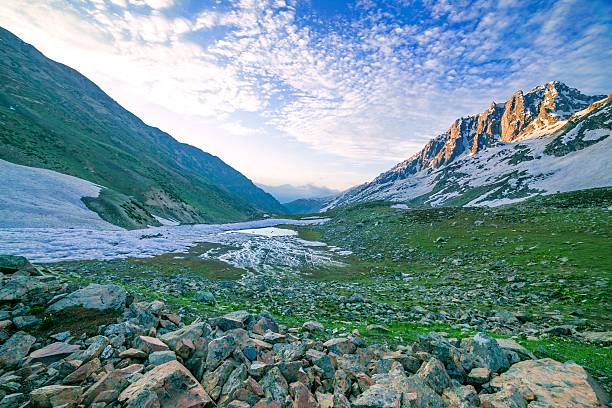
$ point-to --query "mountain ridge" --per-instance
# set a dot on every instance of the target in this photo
(53, 117)
(546, 112)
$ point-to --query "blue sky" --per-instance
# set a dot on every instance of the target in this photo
(319, 91)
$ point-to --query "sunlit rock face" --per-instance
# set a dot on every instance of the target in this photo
(513, 147)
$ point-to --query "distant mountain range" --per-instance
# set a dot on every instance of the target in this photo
(551, 139)
(53, 117)
(287, 193)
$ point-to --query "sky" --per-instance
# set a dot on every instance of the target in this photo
(318, 92)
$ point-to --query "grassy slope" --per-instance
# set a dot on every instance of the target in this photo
(53, 117)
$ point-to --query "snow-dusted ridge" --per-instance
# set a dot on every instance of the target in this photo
(550, 139)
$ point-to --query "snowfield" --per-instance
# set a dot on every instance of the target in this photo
(43, 218)
(65, 244)
(33, 197)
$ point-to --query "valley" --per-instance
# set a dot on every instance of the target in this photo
(515, 271)
(140, 271)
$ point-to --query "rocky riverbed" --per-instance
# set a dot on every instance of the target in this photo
(65, 345)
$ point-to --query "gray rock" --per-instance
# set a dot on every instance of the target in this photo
(94, 296)
(10, 264)
(161, 357)
(313, 326)
(487, 353)
(233, 320)
(53, 352)
(218, 350)
(12, 400)
(434, 375)
(55, 396)
(172, 383)
(205, 297)
(15, 349)
(275, 386)
(395, 389)
(26, 322)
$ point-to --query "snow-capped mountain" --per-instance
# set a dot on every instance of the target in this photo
(552, 138)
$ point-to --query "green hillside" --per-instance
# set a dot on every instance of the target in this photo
(53, 117)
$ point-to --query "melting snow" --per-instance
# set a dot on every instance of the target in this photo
(63, 244)
(33, 197)
(267, 232)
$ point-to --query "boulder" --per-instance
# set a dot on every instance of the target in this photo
(133, 353)
(487, 353)
(479, 375)
(182, 340)
(275, 386)
(205, 296)
(149, 344)
(22, 288)
(218, 350)
(83, 372)
(511, 345)
(107, 388)
(95, 349)
(552, 384)
(461, 396)
(172, 384)
(313, 326)
(395, 389)
(434, 375)
(233, 320)
(15, 349)
(53, 352)
(161, 357)
(302, 397)
(10, 264)
(94, 296)
(55, 396)
(340, 346)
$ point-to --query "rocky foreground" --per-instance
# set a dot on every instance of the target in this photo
(143, 355)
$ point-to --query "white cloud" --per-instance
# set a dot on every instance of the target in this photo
(373, 88)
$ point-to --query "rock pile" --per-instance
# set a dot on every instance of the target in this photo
(148, 357)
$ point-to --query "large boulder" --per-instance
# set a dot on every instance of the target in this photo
(182, 340)
(551, 384)
(10, 264)
(233, 320)
(23, 289)
(55, 396)
(168, 385)
(487, 353)
(15, 349)
(53, 352)
(94, 296)
(395, 389)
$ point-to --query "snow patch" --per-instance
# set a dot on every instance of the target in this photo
(39, 198)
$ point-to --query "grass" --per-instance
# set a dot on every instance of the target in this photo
(191, 264)
(547, 258)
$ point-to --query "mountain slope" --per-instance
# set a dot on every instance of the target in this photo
(55, 118)
(287, 193)
(306, 205)
(552, 138)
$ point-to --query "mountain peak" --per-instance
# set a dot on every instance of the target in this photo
(476, 147)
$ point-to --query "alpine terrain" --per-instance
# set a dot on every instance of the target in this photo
(55, 118)
(140, 272)
(551, 139)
